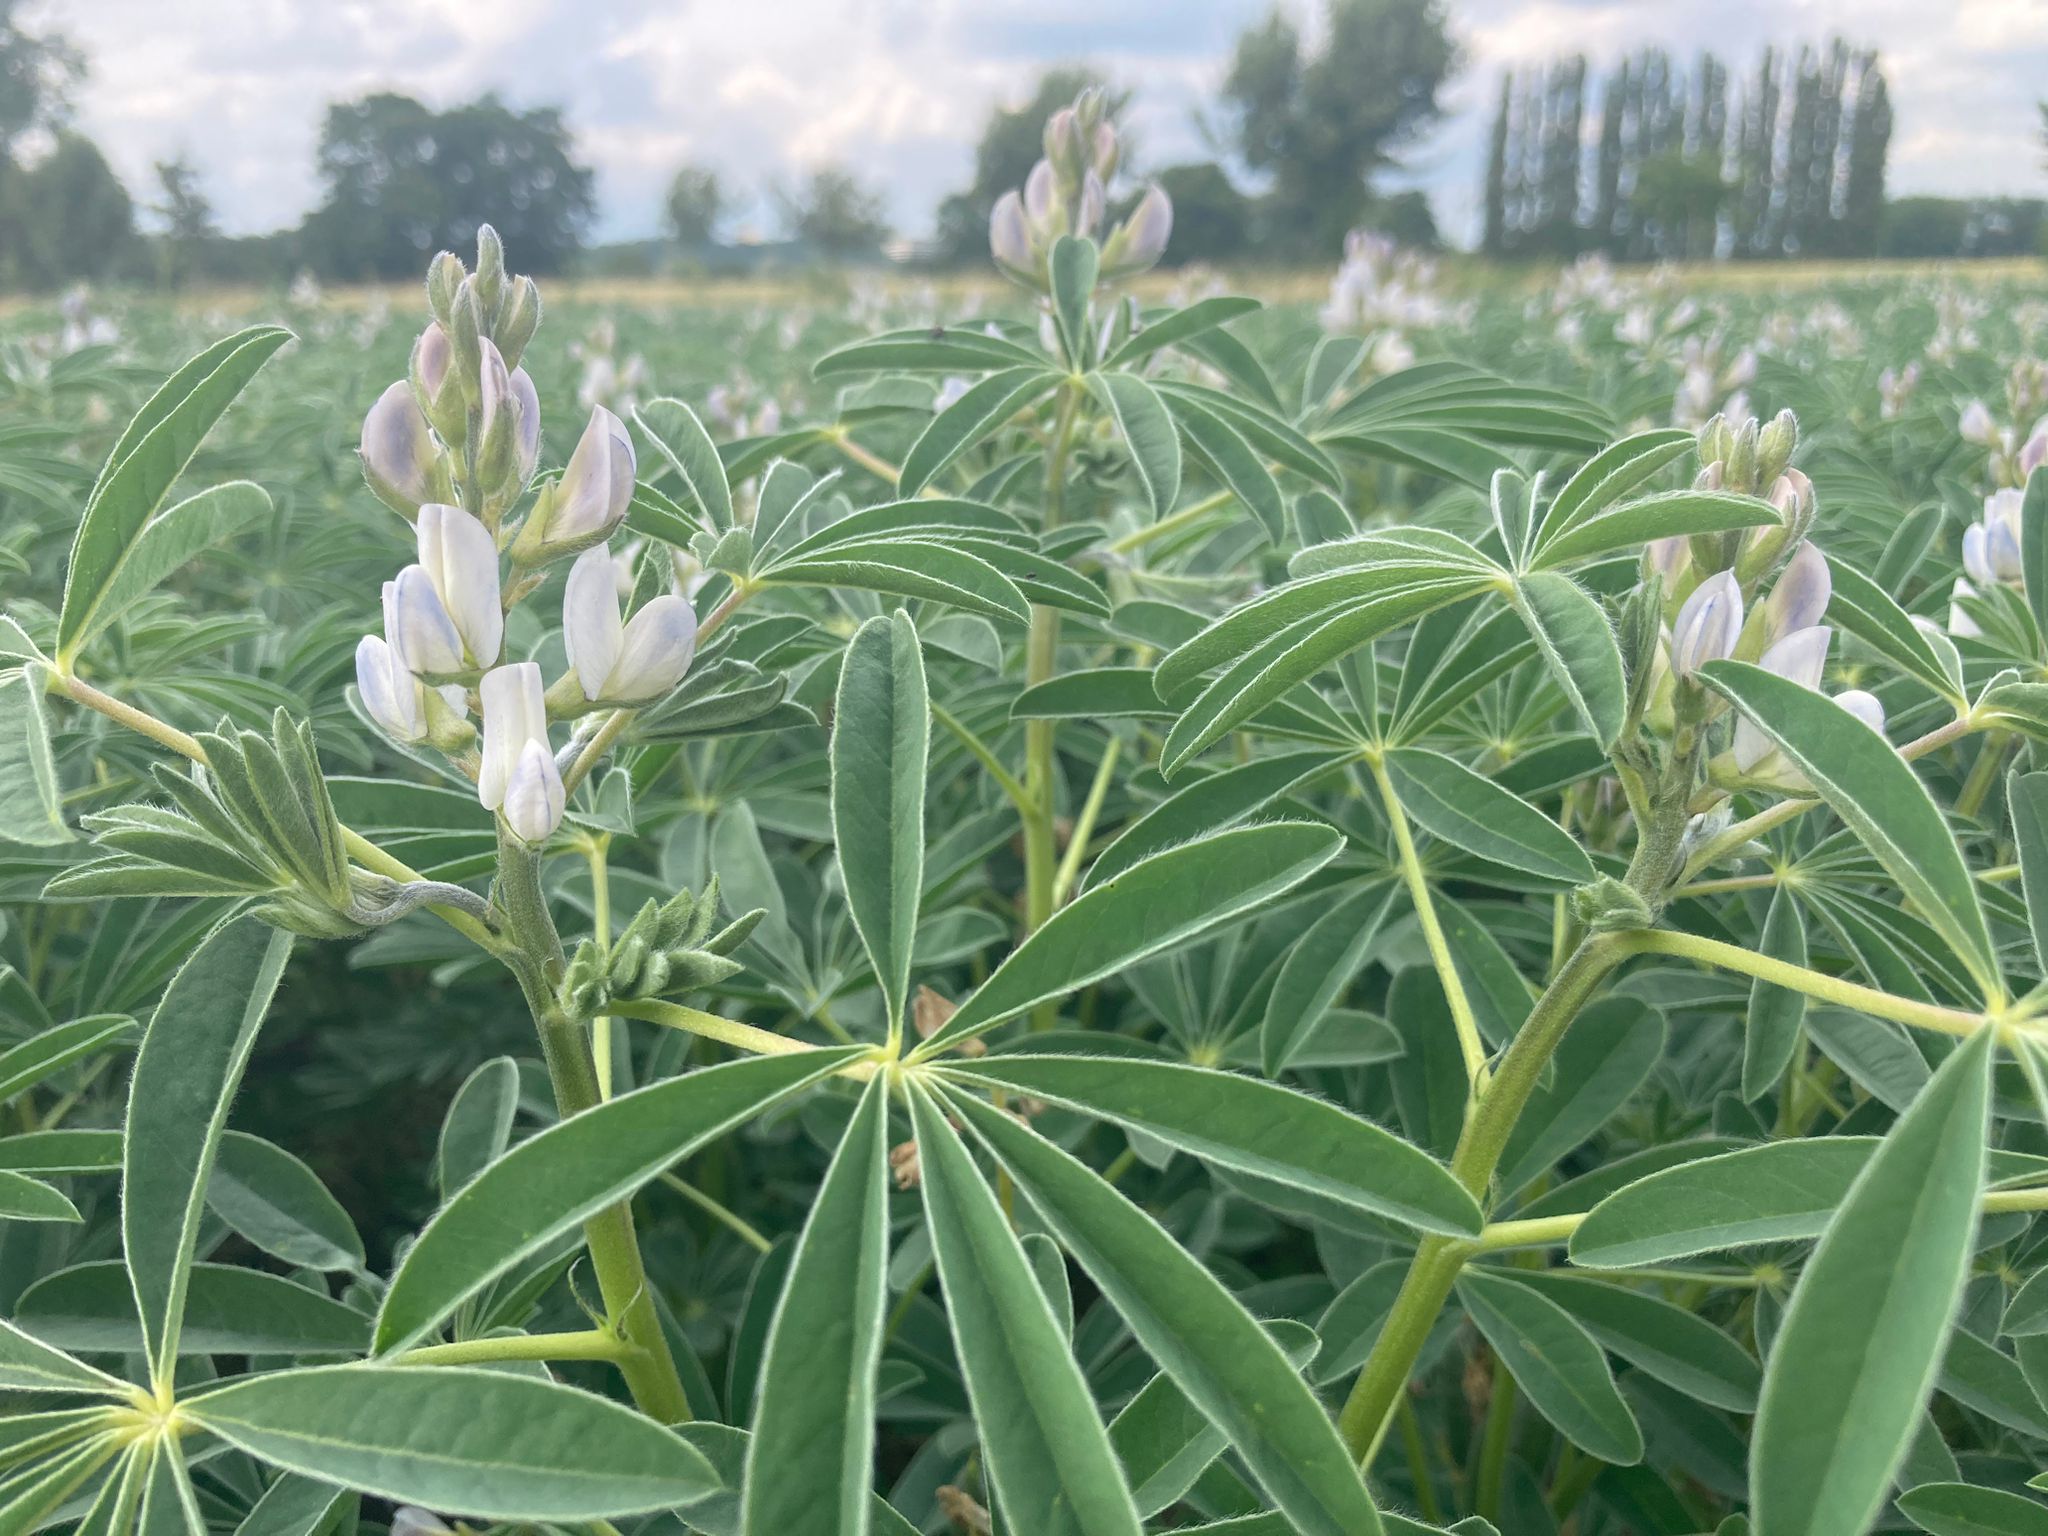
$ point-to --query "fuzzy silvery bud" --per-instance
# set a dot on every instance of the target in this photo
(461, 559)
(1140, 240)
(1775, 443)
(518, 319)
(490, 272)
(1105, 153)
(1009, 239)
(589, 501)
(1976, 426)
(401, 460)
(1041, 201)
(1707, 624)
(1091, 205)
(418, 628)
(515, 718)
(623, 663)
(1063, 139)
(1739, 468)
(497, 418)
(444, 277)
(467, 332)
(526, 446)
(435, 384)
(1799, 657)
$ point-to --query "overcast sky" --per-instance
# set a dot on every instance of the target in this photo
(762, 89)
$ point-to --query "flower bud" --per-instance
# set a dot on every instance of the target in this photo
(1009, 239)
(467, 333)
(461, 559)
(1106, 152)
(497, 418)
(1801, 594)
(401, 460)
(1063, 140)
(1740, 465)
(435, 384)
(515, 717)
(617, 663)
(1991, 548)
(490, 273)
(590, 499)
(534, 799)
(1976, 426)
(1707, 624)
(1800, 657)
(1777, 441)
(1669, 559)
(1041, 202)
(1093, 202)
(444, 277)
(526, 449)
(418, 627)
(1864, 706)
(1140, 240)
(518, 319)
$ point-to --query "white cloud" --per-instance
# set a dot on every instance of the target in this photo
(899, 88)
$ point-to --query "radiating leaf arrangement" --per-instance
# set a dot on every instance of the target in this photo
(1194, 929)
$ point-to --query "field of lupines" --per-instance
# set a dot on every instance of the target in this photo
(1019, 908)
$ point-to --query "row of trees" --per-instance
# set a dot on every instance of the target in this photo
(1686, 164)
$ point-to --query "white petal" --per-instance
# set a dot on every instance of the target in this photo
(1801, 656)
(460, 555)
(418, 627)
(390, 693)
(533, 795)
(591, 629)
(515, 717)
(1801, 595)
(659, 645)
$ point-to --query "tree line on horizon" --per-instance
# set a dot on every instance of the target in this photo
(1654, 161)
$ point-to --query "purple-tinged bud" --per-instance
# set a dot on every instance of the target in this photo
(1141, 239)
(590, 499)
(1009, 239)
(2034, 451)
(515, 717)
(461, 559)
(1106, 154)
(1707, 624)
(401, 460)
(1801, 594)
(1976, 426)
(1091, 206)
(526, 400)
(1041, 201)
(1669, 558)
(1063, 139)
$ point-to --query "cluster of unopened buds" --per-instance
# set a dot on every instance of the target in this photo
(1067, 193)
(453, 449)
(1712, 585)
(2012, 457)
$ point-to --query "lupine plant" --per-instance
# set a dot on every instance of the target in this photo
(1284, 947)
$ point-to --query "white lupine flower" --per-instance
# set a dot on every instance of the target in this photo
(1009, 237)
(494, 394)
(391, 694)
(461, 559)
(1707, 624)
(418, 627)
(1991, 548)
(1801, 594)
(526, 400)
(624, 663)
(1864, 706)
(515, 717)
(534, 798)
(398, 450)
(1668, 558)
(1960, 624)
(1975, 424)
(1799, 657)
(597, 485)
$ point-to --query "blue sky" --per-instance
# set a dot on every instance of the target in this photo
(898, 88)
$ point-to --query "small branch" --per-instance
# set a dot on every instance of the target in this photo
(590, 1344)
(874, 464)
(1084, 825)
(974, 744)
(724, 1215)
(743, 1037)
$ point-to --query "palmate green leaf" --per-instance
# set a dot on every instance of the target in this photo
(279, 1204)
(1098, 693)
(148, 458)
(29, 1497)
(1236, 463)
(679, 437)
(1208, 805)
(1471, 812)
(1609, 475)
(1199, 1333)
(549, 1183)
(478, 1126)
(1147, 428)
(186, 1074)
(1878, 795)
(228, 1311)
(1958, 1509)
(955, 350)
(1071, 269)
(1154, 905)
(31, 798)
(1862, 1339)
(720, 1514)
(943, 518)
(810, 1466)
(1782, 1191)
(1555, 1362)
(1178, 326)
(1863, 608)
(1681, 1350)
(27, 1364)
(1165, 1442)
(25, 1065)
(984, 408)
(165, 543)
(1250, 1125)
(25, 1199)
(1577, 643)
(295, 1506)
(483, 1443)
(1771, 1033)
(1049, 1458)
(906, 567)
(1662, 516)
(1318, 967)
(881, 738)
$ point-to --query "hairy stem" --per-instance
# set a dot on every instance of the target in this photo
(1041, 664)
(590, 1344)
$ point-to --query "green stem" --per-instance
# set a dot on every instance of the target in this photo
(1493, 1444)
(1417, 1452)
(596, 850)
(1470, 1046)
(650, 1370)
(1084, 824)
(735, 1223)
(1193, 512)
(591, 1344)
(730, 1032)
(979, 748)
(1983, 773)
